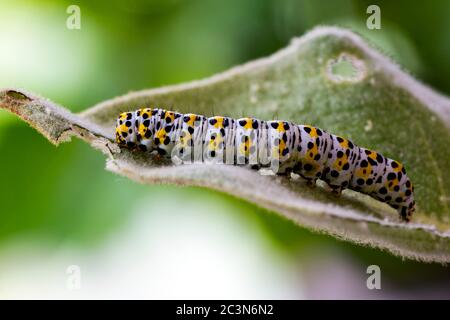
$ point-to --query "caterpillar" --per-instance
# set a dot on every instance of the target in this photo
(282, 146)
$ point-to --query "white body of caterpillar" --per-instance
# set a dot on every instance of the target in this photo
(282, 146)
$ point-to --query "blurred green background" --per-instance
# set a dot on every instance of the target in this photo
(59, 205)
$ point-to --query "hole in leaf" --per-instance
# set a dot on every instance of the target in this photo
(346, 68)
(17, 95)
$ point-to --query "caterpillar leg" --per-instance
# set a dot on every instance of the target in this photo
(336, 190)
(406, 212)
(310, 181)
(403, 212)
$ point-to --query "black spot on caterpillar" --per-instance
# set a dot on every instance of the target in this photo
(282, 146)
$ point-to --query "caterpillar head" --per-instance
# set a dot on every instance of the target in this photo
(125, 130)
